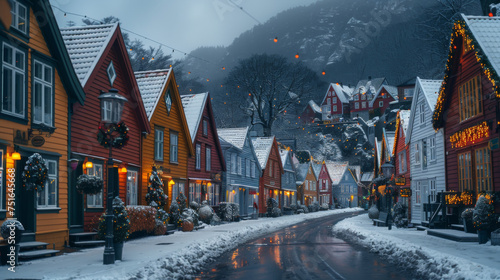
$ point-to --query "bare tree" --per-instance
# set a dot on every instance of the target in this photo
(269, 85)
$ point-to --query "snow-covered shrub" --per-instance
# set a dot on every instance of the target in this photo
(314, 207)
(305, 209)
(467, 214)
(10, 225)
(373, 212)
(194, 205)
(206, 212)
(86, 184)
(324, 207)
(294, 207)
(276, 212)
(174, 214)
(400, 215)
(142, 220)
(160, 228)
(190, 215)
(483, 216)
(229, 211)
(271, 203)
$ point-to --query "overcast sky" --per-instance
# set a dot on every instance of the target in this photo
(182, 24)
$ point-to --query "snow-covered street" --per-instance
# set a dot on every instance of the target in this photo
(158, 257)
(432, 257)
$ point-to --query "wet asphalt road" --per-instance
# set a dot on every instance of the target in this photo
(303, 251)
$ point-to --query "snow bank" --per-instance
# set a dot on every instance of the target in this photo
(431, 257)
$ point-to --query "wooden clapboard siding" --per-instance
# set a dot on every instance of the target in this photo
(323, 175)
(271, 182)
(464, 67)
(310, 178)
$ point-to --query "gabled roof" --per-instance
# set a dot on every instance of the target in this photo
(484, 35)
(409, 82)
(343, 92)
(314, 106)
(234, 136)
(194, 104)
(284, 155)
(389, 141)
(85, 45)
(402, 120)
(58, 51)
(378, 148)
(429, 89)
(392, 90)
(151, 84)
(262, 147)
(316, 168)
(301, 172)
(356, 169)
(336, 170)
(372, 85)
(367, 177)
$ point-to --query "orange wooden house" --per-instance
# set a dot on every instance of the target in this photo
(102, 66)
(169, 146)
(38, 87)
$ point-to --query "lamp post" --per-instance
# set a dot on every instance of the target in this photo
(111, 112)
(388, 169)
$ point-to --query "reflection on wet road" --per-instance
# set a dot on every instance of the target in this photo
(304, 251)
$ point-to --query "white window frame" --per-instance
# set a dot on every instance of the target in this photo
(111, 73)
(381, 104)
(198, 156)
(432, 148)
(233, 163)
(402, 161)
(423, 152)
(335, 108)
(159, 140)
(240, 167)
(416, 153)
(363, 104)
(356, 105)
(15, 93)
(17, 18)
(205, 127)
(174, 147)
(356, 97)
(422, 113)
(46, 84)
(208, 158)
(168, 101)
(247, 167)
(363, 97)
(418, 189)
(432, 190)
(334, 100)
(95, 200)
(328, 101)
(52, 180)
(132, 183)
(252, 170)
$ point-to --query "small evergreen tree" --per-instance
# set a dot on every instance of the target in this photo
(156, 197)
(483, 215)
(121, 222)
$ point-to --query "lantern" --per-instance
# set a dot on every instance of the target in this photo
(112, 106)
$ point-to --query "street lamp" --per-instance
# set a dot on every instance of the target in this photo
(387, 170)
(112, 133)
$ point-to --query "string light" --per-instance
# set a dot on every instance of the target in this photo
(276, 39)
(297, 55)
(470, 135)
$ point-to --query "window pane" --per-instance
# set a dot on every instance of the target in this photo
(19, 99)
(52, 192)
(38, 70)
(48, 106)
(47, 74)
(7, 54)
(20, 60)
(7, 90)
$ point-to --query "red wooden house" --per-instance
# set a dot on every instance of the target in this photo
(401, 154)
(311, 113)
(385, 95)
(206, 167)
(467, 107)
(363, 94)
(100, 67)
(267, 151)
(335, 104)
(325, 186)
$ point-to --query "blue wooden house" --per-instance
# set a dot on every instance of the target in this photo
(288, 178)
(240, 181)
(344, 182)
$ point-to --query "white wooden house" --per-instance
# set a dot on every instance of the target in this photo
(426, 149)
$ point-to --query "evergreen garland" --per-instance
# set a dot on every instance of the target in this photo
(119, 141)
(35, 173)
(86, 184)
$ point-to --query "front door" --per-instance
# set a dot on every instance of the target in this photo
(75, 198)
(243, 202)
(25, 200)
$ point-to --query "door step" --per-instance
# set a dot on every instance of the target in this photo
(33, 245)
(88, 243)
(458, 227)
(84, 239)
(37, 253)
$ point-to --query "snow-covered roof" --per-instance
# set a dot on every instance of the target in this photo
(262, 147)
(234, 136)
(389, 141)
(193, 109)
(430, 89)
(357, 169)
(85, 45)
(371, 86)
(378, 147)
(317, 168)
(392, 90)
(344, 93)
(336, 170)
(486, 31)
(301, 172)
(314, 106)
(151, 85)
(367, 177)
(284, 154)
(404, 119)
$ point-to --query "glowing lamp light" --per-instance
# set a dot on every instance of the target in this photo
(89, 164)
(297, 55)
(276, 39)
(209, 184)
(490, 14)
(323, 73)
(171, 182)
(16, 156)
(234, 191)
(123, 170)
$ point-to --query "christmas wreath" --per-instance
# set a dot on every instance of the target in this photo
(86, 184)
(117, 142)
(35, 173)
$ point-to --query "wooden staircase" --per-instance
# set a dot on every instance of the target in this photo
(84, 239)
(31, 249)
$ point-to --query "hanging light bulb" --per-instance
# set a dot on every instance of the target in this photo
(297, 55)
(323, 73)
(276, 39)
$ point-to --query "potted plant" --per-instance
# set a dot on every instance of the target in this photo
(121, 227)
(86, 184)
(467, 220)
(483, 217)
(11, 230)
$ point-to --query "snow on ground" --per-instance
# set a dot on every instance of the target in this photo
(432, 257)
(159, 257)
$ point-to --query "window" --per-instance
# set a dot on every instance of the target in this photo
(131, 187)
(334, 100)
(19, 14)
(43, 92)
(205, 127)
(270, 168)
(417, 192)
(363, 104)
(335, 108)
(168, 101)
(363, 97)
(432, 188)
(381, 104)
(417, 153)
(328, 101)
(239, 166)
(356, 105)
(208, 158)
(408, 92)
(177, 188)
(95, 200)
(198, 157)
(213, 194)
(470, 99)
(356, 97)
(247, 167)
(1, 180)
(47, 198)
(13, 87)
(402, 162)
(424, 154)
(174, 147)
(233, 163)
(464, 172)
(158, 143)
(432, 148)
(111, 73)
(195, 192)
(422, 114)
(483, 170)
(252, 170)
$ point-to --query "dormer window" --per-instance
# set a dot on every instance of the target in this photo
(168, 101)
(19, 14)
(111, 73)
